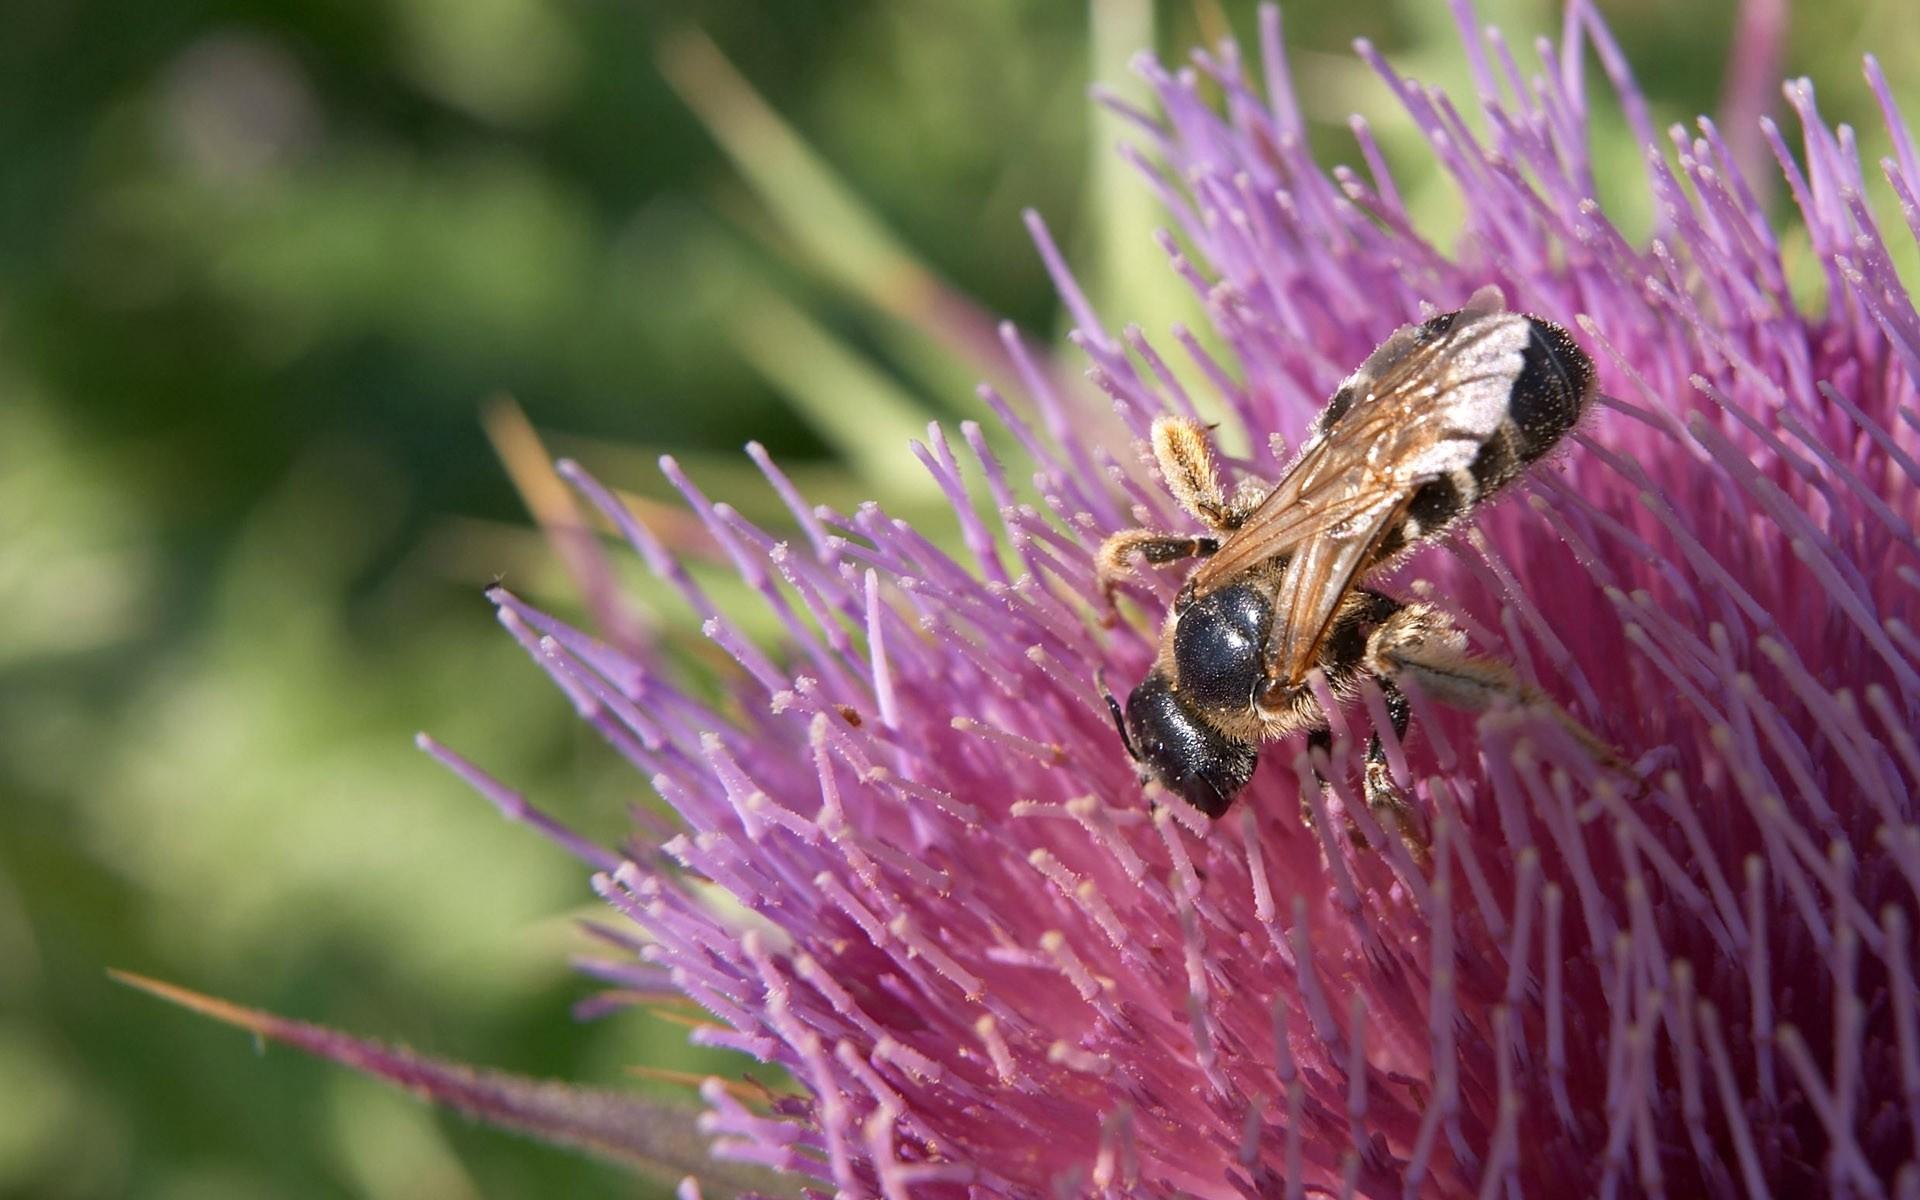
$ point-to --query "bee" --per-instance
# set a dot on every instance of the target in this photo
(1436, 421)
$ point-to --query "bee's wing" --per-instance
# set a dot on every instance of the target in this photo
(1418, 409)
(1326, 489)
(1316, 580)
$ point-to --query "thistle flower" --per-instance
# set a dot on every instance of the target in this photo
(913, 866)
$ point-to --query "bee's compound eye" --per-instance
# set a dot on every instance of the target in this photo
(1190, 758)
(1435, 326)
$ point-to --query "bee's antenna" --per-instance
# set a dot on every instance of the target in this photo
(1119, 718)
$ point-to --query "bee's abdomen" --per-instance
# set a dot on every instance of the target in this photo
(1552, 390)
(1547, 398)
(1549, 394)
(1433, 506)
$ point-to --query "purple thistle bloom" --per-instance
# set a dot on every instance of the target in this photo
(993, 969)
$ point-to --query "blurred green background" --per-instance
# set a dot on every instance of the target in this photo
(263, 266)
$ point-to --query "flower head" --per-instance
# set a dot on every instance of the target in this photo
(914, 867)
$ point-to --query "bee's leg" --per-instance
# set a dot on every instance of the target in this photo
(1417, 642)
(1115, 559)
(1186, 460)
(1385, 800)
(1379, 778)
(1320, 739)
(1383, 797)
(1185, 455)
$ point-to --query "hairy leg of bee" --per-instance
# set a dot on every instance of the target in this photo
(1185, 454)
(1115, 559)
(1417, 642)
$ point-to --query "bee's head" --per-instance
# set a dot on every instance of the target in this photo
(1171, 739)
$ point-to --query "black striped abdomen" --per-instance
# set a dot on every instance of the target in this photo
(1555, 383)
(1548, 397)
